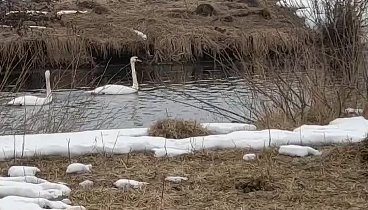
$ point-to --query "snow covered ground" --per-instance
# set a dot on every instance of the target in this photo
(120, 141)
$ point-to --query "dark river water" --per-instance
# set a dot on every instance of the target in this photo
(180, 93)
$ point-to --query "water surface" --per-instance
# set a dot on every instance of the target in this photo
(178, 96)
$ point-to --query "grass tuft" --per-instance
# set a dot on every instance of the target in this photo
(177, 129)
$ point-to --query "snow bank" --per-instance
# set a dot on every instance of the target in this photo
(297, 150)
(120, 141)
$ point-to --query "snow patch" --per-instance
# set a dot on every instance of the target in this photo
(141, 34)
(249, 157)
(21, 203)
(224, 128)
(297, 150)
(126, 184)
(26, 179)
(78, 168)
(16, 171)
(27, 12)
(176, 179)
(68, 12)
(87, 184)
(354, 111)
(38, 27)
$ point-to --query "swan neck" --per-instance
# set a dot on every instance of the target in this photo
(134, 76)
(48, 87)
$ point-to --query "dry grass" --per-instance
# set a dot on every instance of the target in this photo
(218, 180)
(175, 32)
(177, 129)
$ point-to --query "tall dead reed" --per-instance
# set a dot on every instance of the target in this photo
(316, 80)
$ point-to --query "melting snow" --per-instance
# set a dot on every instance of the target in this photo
(119, 141)
(32, 193)
(66, 201)
(27, 11)
(297, 150)
(27, 179)
(38, 27)
(176, 179)
(67, 12)
(126, 184)
(86, 184)
(15, 171)
(249, 157)
(141, 34)
(22, 203)
(355, 111)
(224, 128)
(78, 168)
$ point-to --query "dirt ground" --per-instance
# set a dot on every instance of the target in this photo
(218, 180)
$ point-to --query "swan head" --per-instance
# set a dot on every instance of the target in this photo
(135, 59)
(47, 73)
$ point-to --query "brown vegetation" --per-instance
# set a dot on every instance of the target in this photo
(318, 80)
(217, 180)
(174, 32)
(177, 129)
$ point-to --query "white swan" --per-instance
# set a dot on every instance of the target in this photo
(34, 100)
(120, 89)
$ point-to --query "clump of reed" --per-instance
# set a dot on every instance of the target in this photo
(177, 129)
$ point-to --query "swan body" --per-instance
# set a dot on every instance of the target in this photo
(120, 89)
(114, 90)
(34, 100)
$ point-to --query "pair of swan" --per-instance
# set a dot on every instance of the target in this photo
(107, 89)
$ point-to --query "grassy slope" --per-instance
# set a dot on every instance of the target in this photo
(174, 32)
